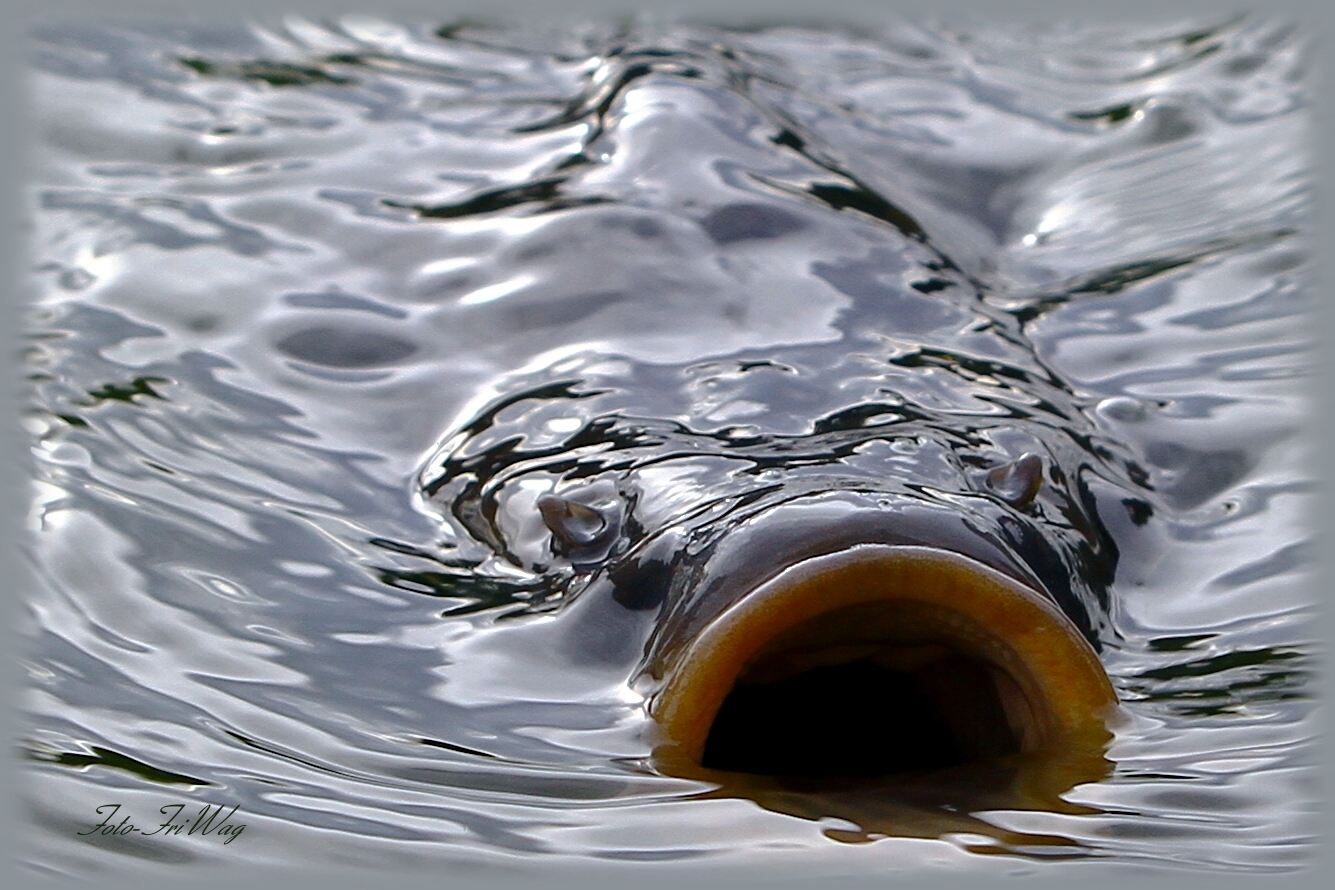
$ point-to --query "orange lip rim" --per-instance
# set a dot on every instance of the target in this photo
(990, 614)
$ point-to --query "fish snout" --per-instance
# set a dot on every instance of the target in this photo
(876, 660)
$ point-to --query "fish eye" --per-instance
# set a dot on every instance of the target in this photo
(1017, 482)
(572, 524)
(583, 524)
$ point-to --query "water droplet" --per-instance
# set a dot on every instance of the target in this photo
(1123, 408)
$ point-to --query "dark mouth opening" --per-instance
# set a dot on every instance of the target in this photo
(869, 717)
(879, 662)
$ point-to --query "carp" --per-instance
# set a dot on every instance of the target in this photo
(866, 544)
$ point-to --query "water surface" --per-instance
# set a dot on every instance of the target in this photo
(275, 261)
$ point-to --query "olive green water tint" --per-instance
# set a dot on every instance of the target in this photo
(882, 660)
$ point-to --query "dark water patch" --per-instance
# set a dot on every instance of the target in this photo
(745, 222)
(1160, 830)
(1227, 686)
(202, 324)
(140, 386)
(1138, 511)
(1118, 279)
(343, 348)
(861, 417)
(1192, 476)
(1202, 801)
(109, 759)
(1229, 661)
(370, 204)
(1114, 115)
(1177, 644)
(544, 192)
(858, 197)
(621, 67)
(931, 285)
(275, 74)
(278, 751)
(470, 592)
(1053, 848)
(458, 749)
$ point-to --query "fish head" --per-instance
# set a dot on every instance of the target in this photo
(879, 595)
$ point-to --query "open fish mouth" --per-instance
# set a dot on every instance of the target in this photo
(880, 660)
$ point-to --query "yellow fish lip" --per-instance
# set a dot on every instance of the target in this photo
(903, 607)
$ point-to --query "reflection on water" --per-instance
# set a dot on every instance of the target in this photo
(321, 309)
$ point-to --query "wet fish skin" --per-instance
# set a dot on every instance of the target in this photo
(1003, 447)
